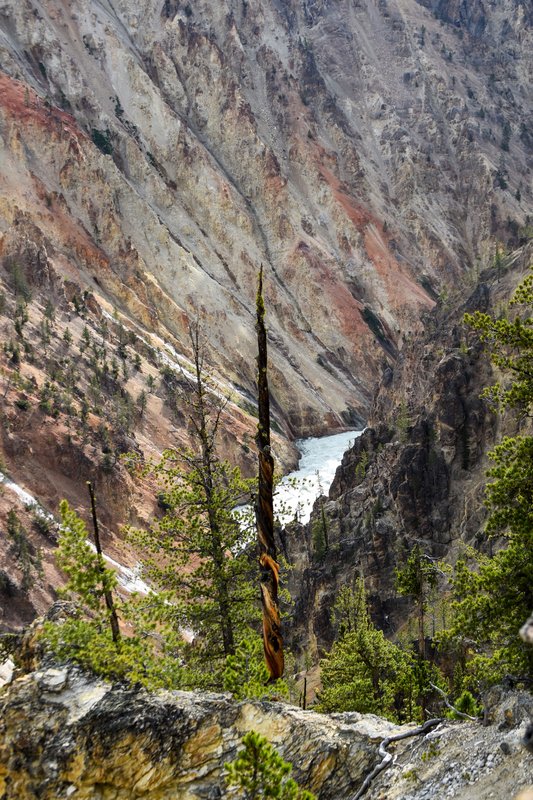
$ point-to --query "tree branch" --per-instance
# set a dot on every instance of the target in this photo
(447, 703)
(387, 757)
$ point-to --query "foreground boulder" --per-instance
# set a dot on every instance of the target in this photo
(65, 734)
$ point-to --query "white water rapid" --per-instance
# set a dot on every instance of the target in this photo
(294, 497)
(320, 457)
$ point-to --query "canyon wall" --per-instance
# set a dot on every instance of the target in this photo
(366, 153)
(417, 475)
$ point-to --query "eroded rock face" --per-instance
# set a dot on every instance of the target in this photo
(416, 476)
(165, 150)
(63, 734)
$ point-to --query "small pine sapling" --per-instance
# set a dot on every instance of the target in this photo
(260, 772)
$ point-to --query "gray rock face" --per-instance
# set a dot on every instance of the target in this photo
(83, 735)
(417, 476)
(363, 151)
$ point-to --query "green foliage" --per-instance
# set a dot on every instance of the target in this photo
(148, 656)
(417, 578)
(246, 674)
(466, 703)
(102, 139)
(364, 671)
(142, 402)
(88, 642)
(88, 576)
(22, 403)
(21, 316)
(27, 556)
(12, 351)
(197, 553)
(349, 609)
(259, 772)
(360, 468)
(510, 342)
(20, 283)
(319, 531)
(318, 537)
(493, 595)
(196, 556)
(432, 751)
(403, 422)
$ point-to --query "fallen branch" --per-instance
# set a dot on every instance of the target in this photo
(387, 757)
(447, 703)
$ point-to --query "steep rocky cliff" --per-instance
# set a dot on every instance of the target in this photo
(64, 734)
(416, 475)
(365, 152)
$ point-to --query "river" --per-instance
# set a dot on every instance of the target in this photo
(320, 457)
(294, 498)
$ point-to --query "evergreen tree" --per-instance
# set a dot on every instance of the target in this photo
(495, 595)
(88, 577)
(364, 671)
(259, 772)
(417, 578)
(146, 657)
(196, 554)
(246, 674)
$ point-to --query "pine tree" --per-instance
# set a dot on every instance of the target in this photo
(147, 656)
(364, 671)
(88, 577)
(417, 578)
(495, 594)
(259, 772)
(246, 674)
(196, 554)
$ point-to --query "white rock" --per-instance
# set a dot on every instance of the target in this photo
(52, 680)
(6, 672)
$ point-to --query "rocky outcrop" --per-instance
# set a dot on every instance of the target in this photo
(88, 739)
(417, 475)
(64, 734)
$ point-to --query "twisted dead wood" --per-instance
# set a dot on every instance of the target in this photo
(386, 758)
(264, 512)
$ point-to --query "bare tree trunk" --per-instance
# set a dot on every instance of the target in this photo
(269, 568)
(421, 631)
(113, 618)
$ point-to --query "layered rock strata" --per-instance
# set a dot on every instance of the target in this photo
(64, 734)
(365, 152)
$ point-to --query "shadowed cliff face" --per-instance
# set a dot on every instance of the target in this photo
(165, 150)
(416, 475)
(475, 16)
